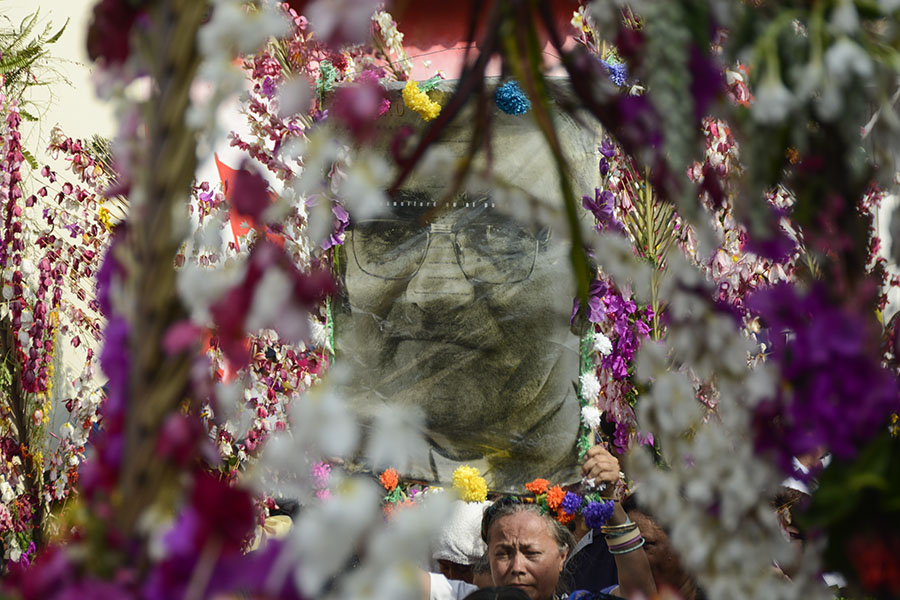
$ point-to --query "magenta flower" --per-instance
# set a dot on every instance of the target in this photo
(110, 29)
(358, 107)
(835, 392)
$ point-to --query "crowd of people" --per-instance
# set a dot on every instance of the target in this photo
(511, 548)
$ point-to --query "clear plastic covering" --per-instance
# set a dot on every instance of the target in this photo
(462, 312)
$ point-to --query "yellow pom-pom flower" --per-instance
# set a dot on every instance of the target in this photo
(470, 484)
(417, 100)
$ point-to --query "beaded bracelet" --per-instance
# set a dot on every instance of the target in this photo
(631, 549)
(624, 539)
(618, 534)
(620, 528)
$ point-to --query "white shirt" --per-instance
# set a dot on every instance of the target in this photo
(441, 588)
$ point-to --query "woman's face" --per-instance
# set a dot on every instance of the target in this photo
(524, 554)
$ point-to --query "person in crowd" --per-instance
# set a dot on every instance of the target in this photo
(498, 593)
(458, 546)
(481, 572)
(664, 562)
(527, 550)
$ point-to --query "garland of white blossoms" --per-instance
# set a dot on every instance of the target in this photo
(326, 534)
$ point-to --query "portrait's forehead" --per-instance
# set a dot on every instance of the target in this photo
(520, 158)
(424, 203)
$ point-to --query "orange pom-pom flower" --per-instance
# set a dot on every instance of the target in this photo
(538, 486)
(555, 497)
(389, 479)
(564, 517)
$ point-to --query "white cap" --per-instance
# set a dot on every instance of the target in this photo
(460, 538)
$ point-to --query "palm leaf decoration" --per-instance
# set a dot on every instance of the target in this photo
(22, 52)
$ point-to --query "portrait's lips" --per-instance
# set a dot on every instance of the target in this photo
(443, 339)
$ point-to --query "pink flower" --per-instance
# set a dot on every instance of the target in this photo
(358, 106)
(109, 31)
(321, 471)
(249, 192)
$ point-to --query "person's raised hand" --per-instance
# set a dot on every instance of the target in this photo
(601, 466)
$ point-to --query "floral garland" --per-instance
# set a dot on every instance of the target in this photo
(52, 241)
(470, 486)
(617, 327)
(564, 505)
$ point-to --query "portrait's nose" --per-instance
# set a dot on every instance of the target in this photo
(439, 283)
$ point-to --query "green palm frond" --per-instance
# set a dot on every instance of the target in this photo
(22, 51)
(30, 159)
(55, 37)
(21, 60)
(19, 36)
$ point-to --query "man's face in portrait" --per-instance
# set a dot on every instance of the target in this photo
(463, 313)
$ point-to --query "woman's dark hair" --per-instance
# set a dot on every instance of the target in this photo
(498, 593)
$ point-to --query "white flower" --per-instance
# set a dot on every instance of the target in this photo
(346, 20)
(199, 287)
(846, 58)
(327, 533)
(773, 100)
(363, 185)
(591, 416)
(6, 492)
(590, 386)
(844, 18)
(13, 549)
(395, 436)
(294, 96)
(269, 299)
(602, 345)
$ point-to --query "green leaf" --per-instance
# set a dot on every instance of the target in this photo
(55, 37)
(29, 158)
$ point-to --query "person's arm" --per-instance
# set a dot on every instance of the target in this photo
(633, 567)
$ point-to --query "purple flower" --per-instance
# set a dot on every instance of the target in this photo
(596, 310)
(619, 369)
(621, 437)
(601, 206)
(707, 81)
(596, 514)
(337, 236)
(268, 87)
(835, 392)
(607, 149)
(642, 327)
(571, 502)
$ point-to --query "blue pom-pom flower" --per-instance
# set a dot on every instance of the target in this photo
(597, 513)
(511, 99)
(618, 72)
